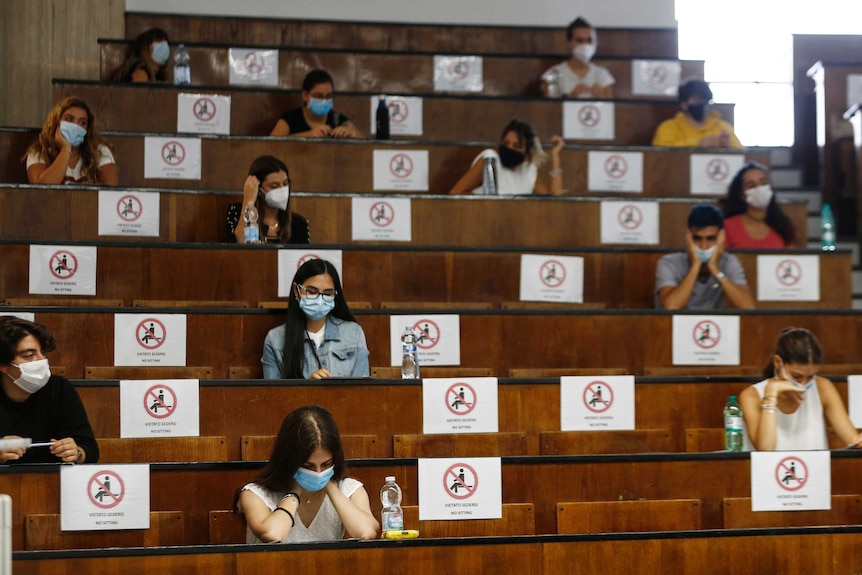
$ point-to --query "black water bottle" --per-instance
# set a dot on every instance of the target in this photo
(382, 119)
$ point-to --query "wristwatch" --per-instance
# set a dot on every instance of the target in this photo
(80, 455)
(720, 276)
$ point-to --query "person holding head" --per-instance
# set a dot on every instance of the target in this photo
(786, 411)
(148, 58)
(694, 126)
(577, 76)
(70, 149)
(752, 216)
(320, 337)
(37, 405)
(518, 159)
(316, 118)
(704, 275)
(303, 493)
(268, 187)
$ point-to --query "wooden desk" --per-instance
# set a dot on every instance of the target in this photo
(254, 111)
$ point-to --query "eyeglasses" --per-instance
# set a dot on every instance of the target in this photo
(314, 293)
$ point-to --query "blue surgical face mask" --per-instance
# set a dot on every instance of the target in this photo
(312, 480)
(706, 254)
(161, 52)
(73, 133)
(316, 308)
(319, 107)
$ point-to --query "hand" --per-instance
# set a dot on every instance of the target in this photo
(323, 131)
(582, 90)
(789, 391)
(62, 142)
(724, 140)
(856, 441)
(558, 143)
(66, 449)
(716, 255)
(693, 258)
(711, 142)
(250, 190)
(320, 374)
(11, 454)
(343, 132)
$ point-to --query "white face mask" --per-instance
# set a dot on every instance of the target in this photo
(34, 375)
(584, 52)
(759, 197)
(278, 198)
(786, 377)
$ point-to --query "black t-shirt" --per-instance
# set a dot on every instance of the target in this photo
(296, 120)
(53, 412)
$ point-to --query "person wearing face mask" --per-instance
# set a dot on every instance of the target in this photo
(303, 493)
(316, 118)
(753, 218)
(577, 77)
(268, 186)
(695, 126)
(147, 58)
(704, 276)
(37, 405)
(320, 337)
(786, 411)
(70, 150)
(518, 159)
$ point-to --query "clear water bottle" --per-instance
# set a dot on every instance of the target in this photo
(251, 233)
(409, 357)
(182, 67)
(732, 425)
(489, 177)
(553, 83)
(392, 518)
(827, 229)
(382, 119)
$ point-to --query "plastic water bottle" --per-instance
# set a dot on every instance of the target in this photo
(732, 425)
(489, 177)
(382, 120)
(392, 518)
(250, 216)
(827, 229)
(552, 81)
(409, 357)
(182, 68)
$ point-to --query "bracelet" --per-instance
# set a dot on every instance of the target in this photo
(768, 406)
(292, 494)
(289, 514)
(555, 172)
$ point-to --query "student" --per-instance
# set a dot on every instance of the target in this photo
(70, 150)
(694, 126)
(303, 493)
(316, 118)
(148, 58)
(320, 337)
(268, 186)
(752, 216)
(704, 275)
(518, 159)
(788, 410)
(37, 405)
(577, 77)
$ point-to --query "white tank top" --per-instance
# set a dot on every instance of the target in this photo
(803, 430)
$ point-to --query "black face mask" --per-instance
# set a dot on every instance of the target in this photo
(697, 111)
(510, 158)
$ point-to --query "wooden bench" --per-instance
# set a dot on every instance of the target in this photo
(628, 441)
(517, 519)
(259, 447)
(162, 449)
(42, 532)
(460, 445)
(846, 510)
(638, 515)
(131, 372)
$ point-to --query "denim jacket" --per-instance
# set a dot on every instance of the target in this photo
(343, 351)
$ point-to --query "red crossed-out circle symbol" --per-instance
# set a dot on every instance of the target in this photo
(656, 74)
(616, 166)
(173, 153)
(706, 334)
(204, 109)
(552, 273)
(589, 115)
(791, 473)
(401, 165)
(427, 333)
(160, 401)
(460, 481)
(630, 217)
(458, 69)
(106, 489)
(63, 264)
(305, 258)
(461, 398)
(788, 272)
(398, 111)
(381, 214)
(254, 63)
(717, 170)
(129, 208)
(151, 333)
(598, 396)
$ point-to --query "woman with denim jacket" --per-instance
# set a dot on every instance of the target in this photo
(320, 337)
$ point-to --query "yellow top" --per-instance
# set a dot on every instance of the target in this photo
(679, 131)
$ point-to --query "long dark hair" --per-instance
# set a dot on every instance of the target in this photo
(795, 345)
(294, 326)
(735, 204)
(302, 432)
(137, 54)
(527, 134)
(260, 168)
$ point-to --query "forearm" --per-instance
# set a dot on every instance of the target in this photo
(357, 522)
(56, 171)
(677, 297)
(738, 295)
